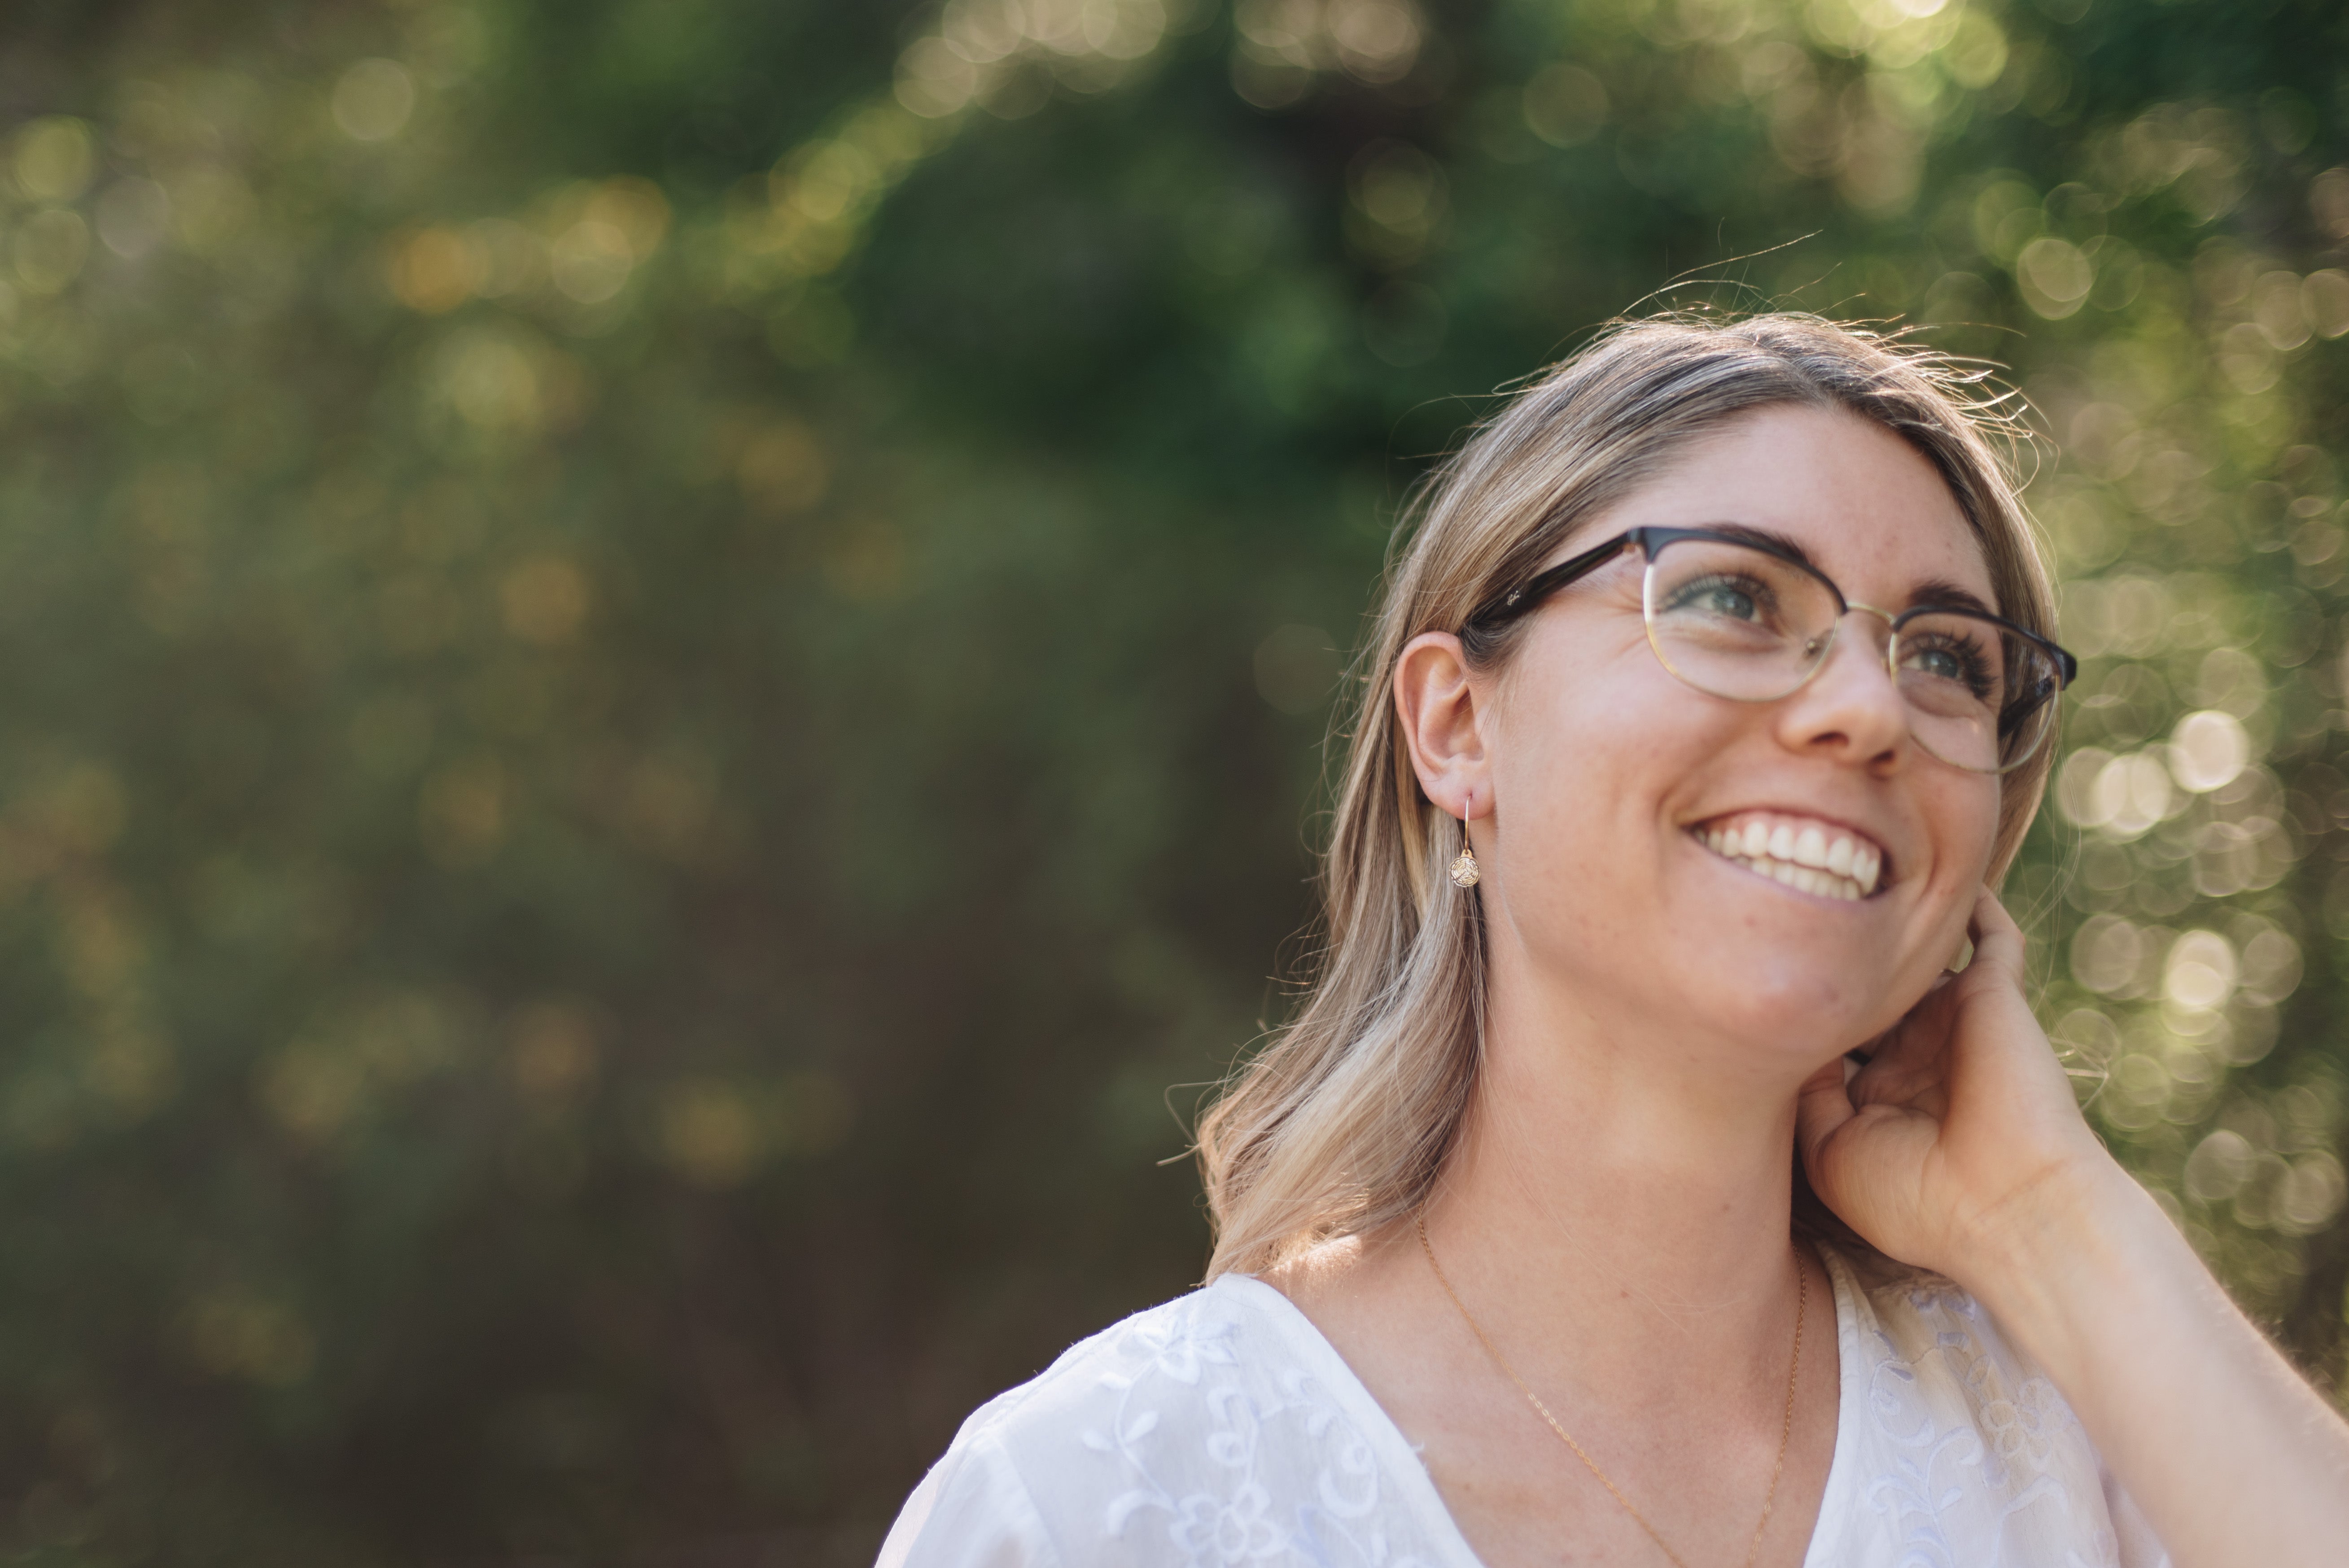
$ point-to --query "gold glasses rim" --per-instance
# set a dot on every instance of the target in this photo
(1893, 623)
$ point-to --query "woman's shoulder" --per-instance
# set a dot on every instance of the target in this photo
(1962, 1437)
(1934, 1357)
(1216, 1418)
(999, 1494)
(1175, 1353)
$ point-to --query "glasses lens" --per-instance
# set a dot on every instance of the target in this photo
(1735, 621)
(1979, 696)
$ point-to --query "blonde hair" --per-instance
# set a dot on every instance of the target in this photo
(1342, 1123)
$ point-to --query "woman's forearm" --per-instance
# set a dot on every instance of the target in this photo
(2231, 1455)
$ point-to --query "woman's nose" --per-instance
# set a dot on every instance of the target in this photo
(1852, 709)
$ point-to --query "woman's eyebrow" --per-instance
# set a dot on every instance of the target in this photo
(1947, 595)
(1936, 591)
(1767, 537)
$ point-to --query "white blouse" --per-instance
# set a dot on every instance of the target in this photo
(1221, 1428)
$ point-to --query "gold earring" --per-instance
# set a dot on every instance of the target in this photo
(1463, 865)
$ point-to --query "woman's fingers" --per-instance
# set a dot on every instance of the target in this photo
(1822, 1106)
(1996, 938)
(1911, 1049)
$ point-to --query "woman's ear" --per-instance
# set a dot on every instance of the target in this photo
(1443, 713)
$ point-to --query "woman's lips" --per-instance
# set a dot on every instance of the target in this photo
(1806, 853)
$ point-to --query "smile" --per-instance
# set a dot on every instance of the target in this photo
(1802, 853)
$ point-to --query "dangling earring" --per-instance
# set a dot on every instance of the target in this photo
(1463, 865)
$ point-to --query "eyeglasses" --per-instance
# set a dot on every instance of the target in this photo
(1743, 618)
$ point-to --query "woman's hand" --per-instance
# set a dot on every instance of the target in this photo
(1958, 1148)
(1961, 1127)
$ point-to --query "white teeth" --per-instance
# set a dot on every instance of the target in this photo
(1801, 858)
(1811, 848)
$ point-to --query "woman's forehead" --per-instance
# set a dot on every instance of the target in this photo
(1858, 500)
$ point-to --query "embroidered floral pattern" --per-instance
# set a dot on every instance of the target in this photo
(1219, 1431)
(2023, 1430)
(1986, 1461)
(1222, 1512)
(1212, 1530)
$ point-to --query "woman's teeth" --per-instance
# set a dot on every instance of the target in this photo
(1806, 856)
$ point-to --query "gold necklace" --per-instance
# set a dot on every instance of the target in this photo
(1787, 1430)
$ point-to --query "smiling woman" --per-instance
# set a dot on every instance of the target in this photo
(1647, 1189)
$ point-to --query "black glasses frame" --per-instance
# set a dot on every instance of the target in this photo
(1529, 595)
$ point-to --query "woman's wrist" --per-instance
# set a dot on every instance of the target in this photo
(2060, 1245)
(2049, 1228)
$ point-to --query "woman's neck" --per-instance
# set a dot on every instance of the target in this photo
(1607, 1182)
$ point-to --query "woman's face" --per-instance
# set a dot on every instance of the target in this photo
(1617, 788)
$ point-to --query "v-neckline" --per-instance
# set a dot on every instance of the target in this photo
(1399, 1459)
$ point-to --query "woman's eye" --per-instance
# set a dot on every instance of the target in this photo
(1959, 666)
(1730, 602)
(1725, 599)
(1940, 663)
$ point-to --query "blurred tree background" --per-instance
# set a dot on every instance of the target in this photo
(661, 663)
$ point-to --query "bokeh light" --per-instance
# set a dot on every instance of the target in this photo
(664, 665)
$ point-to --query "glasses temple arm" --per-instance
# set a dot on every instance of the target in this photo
(1522, 599)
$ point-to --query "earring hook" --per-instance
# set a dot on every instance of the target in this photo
(1465, 870)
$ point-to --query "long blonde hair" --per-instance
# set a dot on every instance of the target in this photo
(1342, 1123)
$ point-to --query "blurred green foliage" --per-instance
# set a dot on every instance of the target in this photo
(659, 664)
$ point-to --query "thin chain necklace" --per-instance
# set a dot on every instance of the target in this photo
(1787, 1430)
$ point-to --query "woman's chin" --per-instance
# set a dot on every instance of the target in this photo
(1786, 1006)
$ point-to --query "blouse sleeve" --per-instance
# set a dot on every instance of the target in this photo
(972, 1510)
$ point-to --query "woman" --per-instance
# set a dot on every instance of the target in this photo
(1653, 854)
